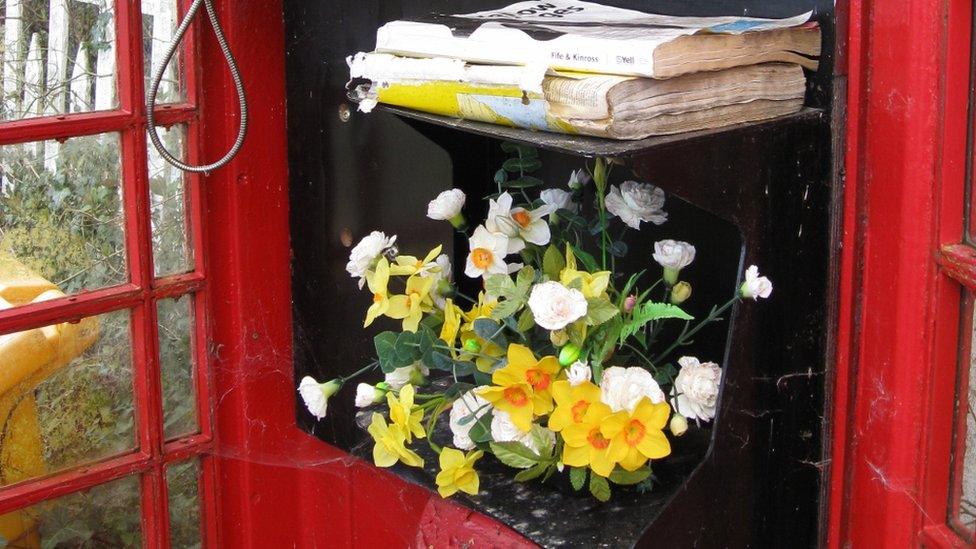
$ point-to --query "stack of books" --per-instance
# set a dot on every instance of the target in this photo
(585, 68)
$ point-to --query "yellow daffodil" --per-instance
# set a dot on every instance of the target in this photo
(585, 445)
(523, 387)
(451, 326)
(403, 415)
(457, 472)
(390, 445)
(413, 303)
(571, 403)
(639, 435)
(377, 280)
(409, 265)
(592, 284)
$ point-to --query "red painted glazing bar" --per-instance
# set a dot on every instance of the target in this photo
(66, 126)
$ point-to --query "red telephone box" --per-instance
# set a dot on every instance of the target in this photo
(188, 432)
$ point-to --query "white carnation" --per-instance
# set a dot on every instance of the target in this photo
(469, 403)
(366, 395)
(316, 395)
(579, 373)
(756, 286)
(673, 254)
(447, 205)
(623, 388)
(555, 306)
(559, 199)
(634, 202)
(695, 391)
(364, 255)
(412, 374)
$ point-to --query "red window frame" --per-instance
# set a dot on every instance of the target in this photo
(139, 295)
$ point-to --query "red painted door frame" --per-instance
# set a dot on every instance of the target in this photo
(908, 72)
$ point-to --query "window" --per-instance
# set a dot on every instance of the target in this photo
(105, 426)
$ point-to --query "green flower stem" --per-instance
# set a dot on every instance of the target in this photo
(357, 373)
(687, 334)
(640, 354)
(600, 173)
(441, 404)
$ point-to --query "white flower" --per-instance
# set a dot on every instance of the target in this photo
(577, 179)
(555, 306)
(503, 430)
(756, 286)
(695, 391)
(579, 373)
(673, 254)
(559, 199)
(634, 202)
(518, 224)
(488, 251)
(441, 286)
(413, 374)
(623, 388)
(444, 262)
(367, 395)
(364, 255)
(316, 395)
(469, 404)
(447, 205)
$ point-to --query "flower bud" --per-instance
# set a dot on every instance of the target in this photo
(600, 172)
(367, 395)
(559, 337)
(417, 378)
(569, 354)
(630, 303)
(471, 345)
(459, 223)
(680, 293)
(678, 425)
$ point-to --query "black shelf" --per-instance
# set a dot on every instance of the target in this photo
(592, 147)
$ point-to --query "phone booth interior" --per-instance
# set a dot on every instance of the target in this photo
(759, 193)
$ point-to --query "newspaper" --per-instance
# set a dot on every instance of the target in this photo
(559, 34)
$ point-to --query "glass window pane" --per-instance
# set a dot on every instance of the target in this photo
(61, 216)
(965, 478)
(171, 244)
(58, 57)
(66, 395)
(182, 480)
(106, 515)
(176, 361)
(159, 20)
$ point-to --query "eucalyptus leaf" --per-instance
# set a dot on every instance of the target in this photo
(501, 176)
(385, 344)
(518, 165)
(489, 330)
(525, 182)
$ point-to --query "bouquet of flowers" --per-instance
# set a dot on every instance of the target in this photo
(557, 364)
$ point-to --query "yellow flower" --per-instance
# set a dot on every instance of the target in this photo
(412, 305)
(571, 403)
(523, 387)
(410, 265)
(390, 445)
(639, 435)
(377, 281)
(452, 325)
(593, 284)
(457, 472)
(402, 414)
(585, 444)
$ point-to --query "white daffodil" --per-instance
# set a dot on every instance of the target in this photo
(623, 388)
(447, 207)
(695, 391)
(559, 200)
(634, 202)
(487, 256)
(316, 395)
(365, 254)
(555, 306)
(465, 413)
(673, 255)
(756, 286)
(578, 179)
(579, 373)
(518, 224)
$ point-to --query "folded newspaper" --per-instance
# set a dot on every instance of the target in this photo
(525, 66)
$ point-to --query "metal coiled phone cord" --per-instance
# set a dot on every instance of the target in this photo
(234, 72)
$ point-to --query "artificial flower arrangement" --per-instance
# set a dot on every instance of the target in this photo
(556, 365)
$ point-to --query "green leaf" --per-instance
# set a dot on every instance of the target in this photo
(501, 176)
(526, 320)
(525, 182)
(533, 472)
(605, 340)
(624, 477)
(407, 348)
(481, 430)
(600, 310)
(505, 308)
(588, 261)
(651, 311)
(575, 331)
(599, 487)
(385, 344)
(577, 477)
(524, 164)
(525, 279)
(542, 440)
(514, 454)
(489, 330)
(517, 148)
(500, 285)
(618, 248)
(553, 262)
